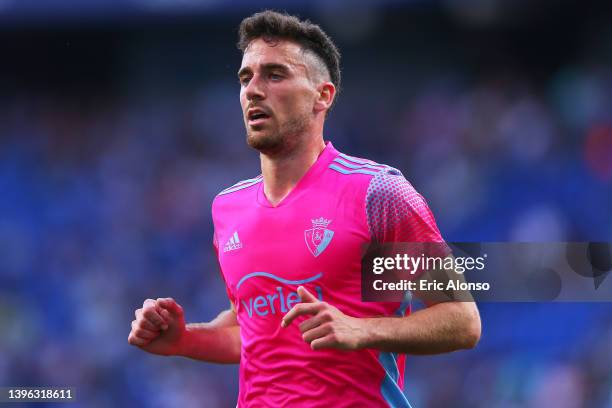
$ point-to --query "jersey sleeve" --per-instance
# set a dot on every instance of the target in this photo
(396, 212)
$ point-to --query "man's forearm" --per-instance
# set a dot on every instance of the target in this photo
(217, 341)
(440, 328)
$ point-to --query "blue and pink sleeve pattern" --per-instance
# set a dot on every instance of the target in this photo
(396, 212)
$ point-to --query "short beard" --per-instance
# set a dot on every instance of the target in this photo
(282, 141)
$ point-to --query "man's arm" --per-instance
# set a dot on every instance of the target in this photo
(449, 322)
(217, 341)
(440, 328)
(159, 328)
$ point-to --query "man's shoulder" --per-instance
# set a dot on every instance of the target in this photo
(382, 182)
(368, 170)
(240, 186)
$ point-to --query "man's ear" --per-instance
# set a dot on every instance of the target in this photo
(326, 92)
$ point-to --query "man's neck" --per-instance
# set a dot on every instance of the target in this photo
(281, 173)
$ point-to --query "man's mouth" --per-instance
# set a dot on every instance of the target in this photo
(256, 116)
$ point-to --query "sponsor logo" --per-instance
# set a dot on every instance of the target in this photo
(233, 243)
(281, 300)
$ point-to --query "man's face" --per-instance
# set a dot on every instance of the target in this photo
(277, 94)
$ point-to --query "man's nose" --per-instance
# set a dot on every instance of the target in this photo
(254, 89)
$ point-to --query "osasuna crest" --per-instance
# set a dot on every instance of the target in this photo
(318, 237)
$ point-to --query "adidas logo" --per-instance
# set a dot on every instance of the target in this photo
(233, 243)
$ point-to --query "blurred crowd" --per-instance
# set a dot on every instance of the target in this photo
(105, 201)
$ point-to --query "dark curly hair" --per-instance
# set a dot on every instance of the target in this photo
(272, 24)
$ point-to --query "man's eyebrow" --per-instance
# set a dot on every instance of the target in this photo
(243, 71)
(275, 66)
(265, 67)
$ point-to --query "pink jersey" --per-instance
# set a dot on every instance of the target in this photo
(314, 238)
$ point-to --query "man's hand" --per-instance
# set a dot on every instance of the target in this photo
(328, 327)
(159, 327)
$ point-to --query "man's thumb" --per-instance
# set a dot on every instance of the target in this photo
(171, 306)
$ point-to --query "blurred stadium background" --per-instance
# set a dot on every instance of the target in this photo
(120, 121)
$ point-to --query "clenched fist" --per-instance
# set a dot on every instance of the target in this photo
(159, 327)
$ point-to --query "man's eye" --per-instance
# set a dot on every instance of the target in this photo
(276, 77)
(244, 80)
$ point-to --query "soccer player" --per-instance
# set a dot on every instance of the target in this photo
(289, 245)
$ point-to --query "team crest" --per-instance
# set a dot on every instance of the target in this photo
(318, 237)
